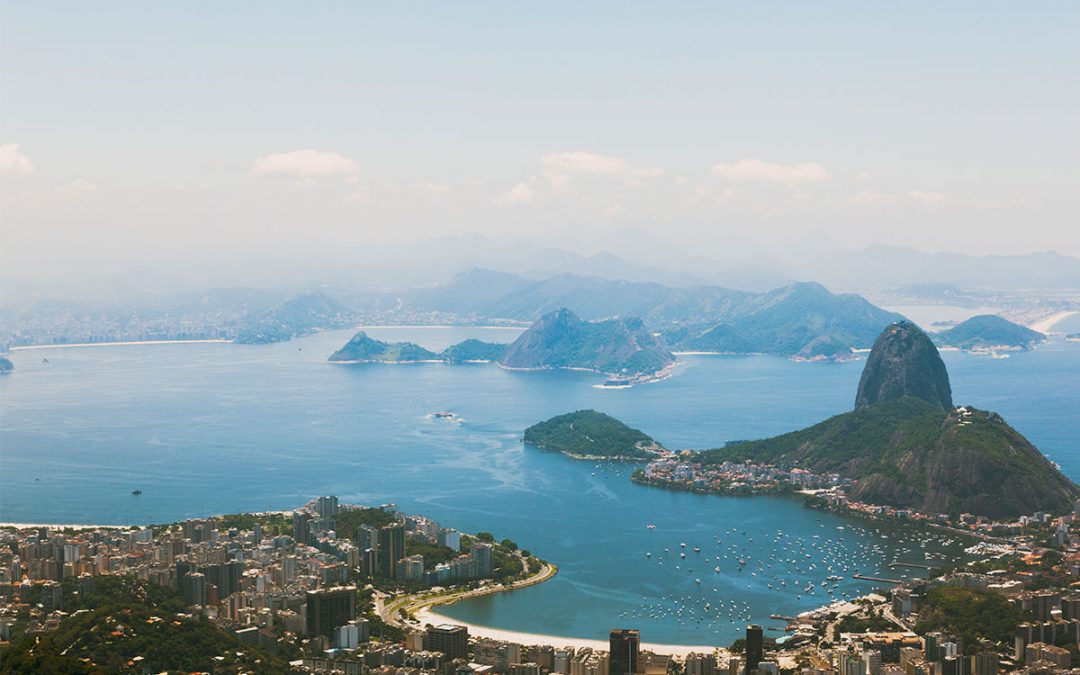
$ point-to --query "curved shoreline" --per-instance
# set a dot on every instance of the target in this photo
(421, 609)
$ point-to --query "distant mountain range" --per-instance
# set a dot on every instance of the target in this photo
(803, 320)
(896, 267)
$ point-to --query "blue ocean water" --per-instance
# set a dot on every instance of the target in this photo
(204, 429)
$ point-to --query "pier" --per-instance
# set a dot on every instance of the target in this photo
(863, 577)
(916, 566)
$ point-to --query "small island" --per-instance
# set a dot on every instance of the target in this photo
(588, 434)
(363, 348)
(989, 333)
(6, 366)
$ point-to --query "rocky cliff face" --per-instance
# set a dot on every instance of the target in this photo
(561, 339)
(904, 362)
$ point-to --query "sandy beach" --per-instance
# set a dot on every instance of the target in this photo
(1047, 325)
(426, 615)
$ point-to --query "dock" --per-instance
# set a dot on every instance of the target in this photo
(863, 577)
(916, 566)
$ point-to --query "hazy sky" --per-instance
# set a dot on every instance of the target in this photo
(146, 132)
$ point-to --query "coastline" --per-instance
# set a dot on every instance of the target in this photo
(1046, 325)
(527, 639)
(421, 611)
(24, 348)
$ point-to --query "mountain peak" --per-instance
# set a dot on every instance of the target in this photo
(904, 362)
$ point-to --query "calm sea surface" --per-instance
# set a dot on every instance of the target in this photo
(204, 429)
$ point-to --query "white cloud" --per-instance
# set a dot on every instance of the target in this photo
(756, 169)
(306, 164)
(12, 160)
(928, 198)
(522, 193)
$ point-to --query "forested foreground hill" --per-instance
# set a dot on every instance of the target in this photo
(120, 624)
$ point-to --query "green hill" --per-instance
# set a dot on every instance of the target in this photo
(474, 350)
(362, 348)
(988, 331)
(908, 453)
(588, 434)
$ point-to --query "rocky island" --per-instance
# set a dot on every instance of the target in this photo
(614, 347)
(618, 348)
(988, 332)
(588, 434)
(6, 366)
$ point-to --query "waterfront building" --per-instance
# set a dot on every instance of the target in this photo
(450, 640)
(410, 568)
(326, 507)
(623, 649)
(700, 664)
(450, 538)
(483, 554)
(755, 647)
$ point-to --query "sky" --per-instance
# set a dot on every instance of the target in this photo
(138, 134)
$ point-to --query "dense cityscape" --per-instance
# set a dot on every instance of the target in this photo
(299, 589)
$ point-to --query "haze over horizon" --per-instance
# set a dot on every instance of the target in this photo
(152, 139)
